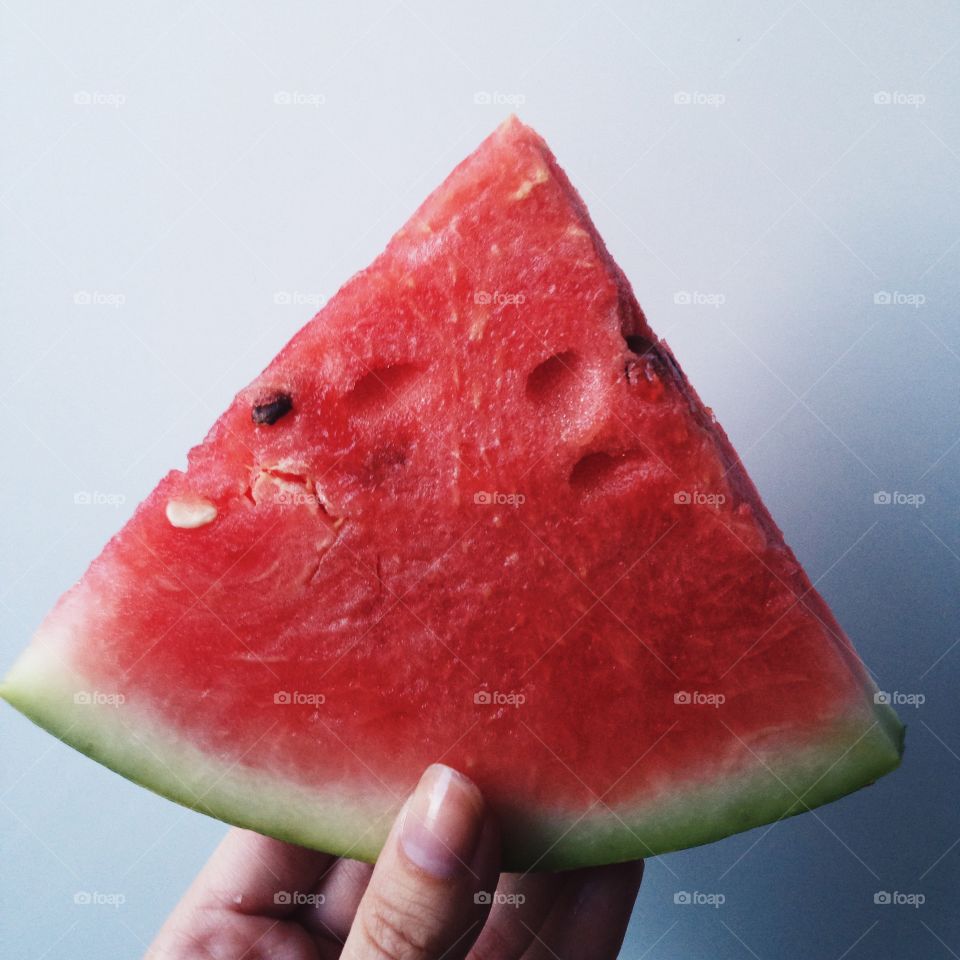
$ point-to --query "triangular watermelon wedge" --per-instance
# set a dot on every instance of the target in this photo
(472, 513)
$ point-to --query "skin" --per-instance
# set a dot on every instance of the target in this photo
(429, 896)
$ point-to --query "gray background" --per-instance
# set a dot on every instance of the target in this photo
(183, 183)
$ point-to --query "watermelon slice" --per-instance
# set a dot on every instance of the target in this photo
(472, 513)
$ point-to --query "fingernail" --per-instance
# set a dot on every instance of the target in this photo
(441, 824)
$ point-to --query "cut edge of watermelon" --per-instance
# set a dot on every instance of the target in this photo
(43, 687)
(855, 751)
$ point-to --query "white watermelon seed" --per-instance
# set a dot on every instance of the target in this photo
(189, 514)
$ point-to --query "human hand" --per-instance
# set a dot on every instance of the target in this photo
(422, 900)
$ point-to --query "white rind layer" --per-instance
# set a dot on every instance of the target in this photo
(757, 787)
(125, 737)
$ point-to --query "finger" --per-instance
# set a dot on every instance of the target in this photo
(338, 895)
(422, 900)
(590, 917)
(520, 906)
(237, 899)
(256, 875)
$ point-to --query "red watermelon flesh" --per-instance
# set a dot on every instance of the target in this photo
(472, 513)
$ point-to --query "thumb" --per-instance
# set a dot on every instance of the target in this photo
(426, 895)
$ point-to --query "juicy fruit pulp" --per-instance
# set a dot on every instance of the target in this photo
(472, 513)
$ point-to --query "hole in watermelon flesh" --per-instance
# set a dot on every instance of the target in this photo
(644, 348)
(632, 322)
(601, 471)
(550, 382)
(383, 386)
(640, 345)
(293, 488)
(299, 479)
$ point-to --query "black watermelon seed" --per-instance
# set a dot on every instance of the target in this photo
(272, 408)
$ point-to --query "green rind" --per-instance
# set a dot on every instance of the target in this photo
(762, 787)
(138, 750)
(853, 755)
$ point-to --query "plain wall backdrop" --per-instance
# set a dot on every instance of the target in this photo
(184, 184)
